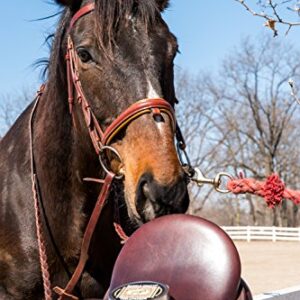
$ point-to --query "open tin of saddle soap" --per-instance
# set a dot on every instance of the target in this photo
(142, 290)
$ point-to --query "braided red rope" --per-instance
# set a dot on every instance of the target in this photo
(273, 189)
(41, 244)
(37, 210)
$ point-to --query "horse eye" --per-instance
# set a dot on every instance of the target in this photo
(84, 55)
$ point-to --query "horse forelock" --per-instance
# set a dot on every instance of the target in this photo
(111, 16)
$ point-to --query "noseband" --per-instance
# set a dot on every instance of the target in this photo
(101, 140)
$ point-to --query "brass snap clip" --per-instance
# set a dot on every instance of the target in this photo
(216, 182)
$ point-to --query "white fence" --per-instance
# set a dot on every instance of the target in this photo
(292, 293)
(254, 233)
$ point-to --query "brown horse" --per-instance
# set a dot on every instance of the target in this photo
(125, 53)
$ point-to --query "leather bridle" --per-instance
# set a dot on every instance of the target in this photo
(98, 136)
(101, 140)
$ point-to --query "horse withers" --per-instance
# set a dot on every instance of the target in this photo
(123, 52)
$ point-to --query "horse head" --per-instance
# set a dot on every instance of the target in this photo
(124, 52)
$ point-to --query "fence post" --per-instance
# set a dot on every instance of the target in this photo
(273, 234)
(248, 234)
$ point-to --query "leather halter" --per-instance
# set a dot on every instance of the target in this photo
(101, 139)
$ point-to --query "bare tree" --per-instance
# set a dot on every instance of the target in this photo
(250, 124)
(10, 108)
(194, 114)
(259, 76)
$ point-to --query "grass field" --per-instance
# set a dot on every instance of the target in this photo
(268, 266)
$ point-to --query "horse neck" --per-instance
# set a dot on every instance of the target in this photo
(62, 162)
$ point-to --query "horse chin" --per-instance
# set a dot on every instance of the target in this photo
(152, 210)
(147, 210)
(141, 216)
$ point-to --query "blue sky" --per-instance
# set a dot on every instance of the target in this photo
(206, 29)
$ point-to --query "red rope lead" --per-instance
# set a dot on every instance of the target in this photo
(272, 189)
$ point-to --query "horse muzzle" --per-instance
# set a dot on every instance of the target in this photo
(154, 199)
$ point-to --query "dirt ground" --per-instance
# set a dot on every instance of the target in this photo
(268, 266)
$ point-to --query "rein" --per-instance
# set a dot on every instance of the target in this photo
(37, 207)
(101, 140)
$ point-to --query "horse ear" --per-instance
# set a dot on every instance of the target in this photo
(162, 4)
(69, 3)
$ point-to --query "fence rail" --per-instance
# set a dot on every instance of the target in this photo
(292, 293)
(254, 233)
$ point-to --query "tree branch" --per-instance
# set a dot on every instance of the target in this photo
(294, 92)
(271, 20)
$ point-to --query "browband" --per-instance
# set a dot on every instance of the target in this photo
(81, 12)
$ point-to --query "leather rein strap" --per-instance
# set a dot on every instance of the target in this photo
(100, 139)
(66, 293)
